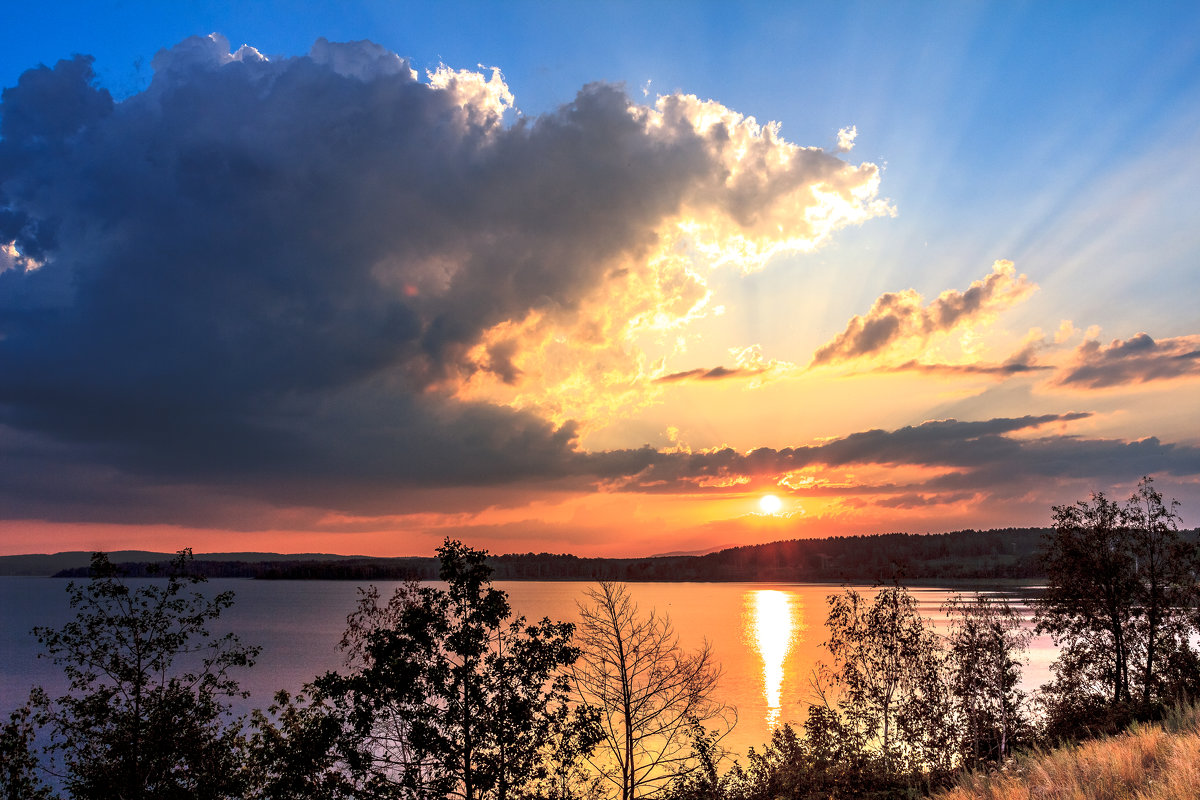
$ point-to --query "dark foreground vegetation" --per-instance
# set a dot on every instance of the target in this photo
(445, 693)
(1149, 761)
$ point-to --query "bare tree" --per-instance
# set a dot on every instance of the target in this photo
(650, 693)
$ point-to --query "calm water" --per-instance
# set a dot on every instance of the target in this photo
(767, 637)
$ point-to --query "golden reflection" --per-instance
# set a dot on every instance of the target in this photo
(774, 629)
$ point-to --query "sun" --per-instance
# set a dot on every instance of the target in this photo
(770, 504)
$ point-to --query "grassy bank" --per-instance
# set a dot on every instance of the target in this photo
(1148, 762)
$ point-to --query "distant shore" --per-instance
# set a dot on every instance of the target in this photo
(995, 557)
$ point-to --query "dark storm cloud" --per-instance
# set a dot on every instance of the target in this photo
(1063, 457)
(1139, 359)
(267, 273)
(914, 500)
(260, 267)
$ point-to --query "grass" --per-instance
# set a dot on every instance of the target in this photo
(1147, 762)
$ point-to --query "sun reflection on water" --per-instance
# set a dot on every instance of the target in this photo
(774, 630)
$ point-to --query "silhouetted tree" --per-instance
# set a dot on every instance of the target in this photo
(447, 694)
(1165, 569)
(1119, 599)
(653, 696)
(294, 752)
(1090, 598)
(987, 644)
(888, 670)
(146, 714)
(20, 777)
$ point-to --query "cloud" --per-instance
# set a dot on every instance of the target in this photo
(328, 282)
(987, 454)
(1022, 361)
(701, 374)
(1066, 331)
(845, 139)
(322, 277)
(1006, 369)
(750, 363)
(917, 500)
(899, 318)
(1139, 359)
(12, 258)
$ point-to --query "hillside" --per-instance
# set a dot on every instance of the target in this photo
(35, 564)
(1149, 762)
(1008, 553)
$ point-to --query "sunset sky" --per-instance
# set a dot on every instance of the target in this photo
(591, 278)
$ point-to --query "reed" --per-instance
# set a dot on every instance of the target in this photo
(1147, 762)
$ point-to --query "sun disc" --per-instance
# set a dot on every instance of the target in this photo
(770, 504)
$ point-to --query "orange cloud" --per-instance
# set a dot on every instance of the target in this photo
(749, 363)
(899, 319)
(750, 195)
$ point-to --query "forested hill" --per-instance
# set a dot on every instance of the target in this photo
(1009, 553)
(41, 564)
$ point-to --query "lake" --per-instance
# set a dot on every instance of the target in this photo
(767, 637)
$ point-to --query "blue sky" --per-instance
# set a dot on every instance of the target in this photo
(995, 122)
(1062, 137)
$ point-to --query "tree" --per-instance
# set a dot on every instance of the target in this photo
(888, 668)
(1089, 602)
(447, 694)
(986, 646)
(293, 752)
(146, 715)
(650, 693)
(1119, 599)
(1165, 569)
(19, 768)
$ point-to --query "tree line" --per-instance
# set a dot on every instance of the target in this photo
(445, 692)
(1009, 553)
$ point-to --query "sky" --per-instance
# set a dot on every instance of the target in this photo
(591, 278)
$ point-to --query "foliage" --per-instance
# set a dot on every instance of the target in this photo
(1166, 567)
(819, 765)
(986, 650)
(293, 752)
(447, 695)
(19, 770)
(702, 779)
(1089, 600)
(889, 673)
(1120, 587)
(146, 715)
(654, 699)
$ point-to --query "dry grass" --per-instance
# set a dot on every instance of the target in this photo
(1150, 762)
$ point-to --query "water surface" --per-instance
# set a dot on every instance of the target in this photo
(767, 637)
